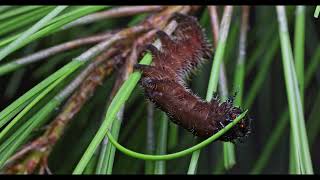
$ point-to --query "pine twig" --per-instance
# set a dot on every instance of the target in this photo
(36, 153)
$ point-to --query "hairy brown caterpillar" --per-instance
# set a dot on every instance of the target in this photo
(163, 83)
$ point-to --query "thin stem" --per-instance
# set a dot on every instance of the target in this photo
(240, 69)
(44, 21)
(43, 54)
(225, 24)
(150, 137)
(160, 166)
(80, 78)
(16, 11)
(302, 155)
(112, 13)
(177, 154)
(214, 75)
(106, 155)
(214, 24)
(299, 67)
(115, 132)
(316, 12)
(299, 47)
(105, 44)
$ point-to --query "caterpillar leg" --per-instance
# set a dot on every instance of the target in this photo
(142, 67)
(179, 17)
(187, 25)
(151, 88)
(153, 72)
(146, 70)
(147, 83)
(221, 124)
(231, 98)
(166, 41)
(216, 96)
(154, 51)
(157, 55)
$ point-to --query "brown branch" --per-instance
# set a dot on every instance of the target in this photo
(61, 48)
(137, 49)
(108, 37)
(122, 35)
(37, 152)
(223, 82)
(79, 79)
(157, 21)
(114, 12)
(214, 23)
(243, 34)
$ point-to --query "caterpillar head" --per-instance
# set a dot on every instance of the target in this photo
(239, 131)
(221, 114)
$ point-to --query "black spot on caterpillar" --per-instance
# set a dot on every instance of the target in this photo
(163, 83)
